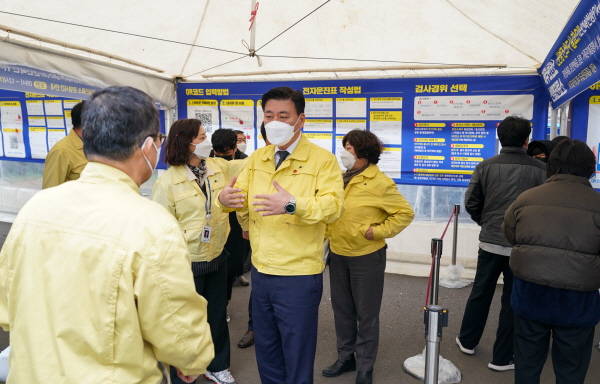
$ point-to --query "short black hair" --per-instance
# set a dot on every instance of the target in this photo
(366, 145)
(285, 93)
(76, 114)
(513, 131)
(572, 157)
(181, 135)
(117, 120)
(223, 140)
(537, 147)
(263, 132)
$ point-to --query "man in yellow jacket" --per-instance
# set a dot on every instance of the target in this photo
(66, 159)
(292, 190)
(95, 284)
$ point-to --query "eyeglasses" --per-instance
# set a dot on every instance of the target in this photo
(160, 136)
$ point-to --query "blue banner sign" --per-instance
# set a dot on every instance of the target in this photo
(573, 64)
(25, 79)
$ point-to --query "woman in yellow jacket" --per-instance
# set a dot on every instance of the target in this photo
(373, 211)
(189, 190)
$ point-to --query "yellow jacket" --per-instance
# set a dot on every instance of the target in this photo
(370, 199)
(64, 162)
(95, 287)
(292, 244)
(177, 190)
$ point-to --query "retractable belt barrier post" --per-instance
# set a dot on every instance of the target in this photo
(453, 272)
(429, 366)
(455, 236)
(436, 318)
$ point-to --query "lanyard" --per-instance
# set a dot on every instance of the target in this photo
(208, 204)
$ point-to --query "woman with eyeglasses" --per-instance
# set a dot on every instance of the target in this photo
(189, 190)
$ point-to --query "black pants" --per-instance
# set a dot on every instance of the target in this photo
(356, 292)
(571, 351)
(489, 267)
(213, 287)
(239, 249)
(250, 327)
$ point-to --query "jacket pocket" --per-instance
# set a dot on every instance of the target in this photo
(191, 234)
(184, 193)
(349, 234)
(298, 180)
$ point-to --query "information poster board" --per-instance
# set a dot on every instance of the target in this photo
(585, 123)
(434, 130)
(31, 123)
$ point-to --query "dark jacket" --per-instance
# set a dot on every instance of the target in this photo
(495, 184)
(555, 232)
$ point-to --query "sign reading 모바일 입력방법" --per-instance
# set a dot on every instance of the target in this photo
(573, 63)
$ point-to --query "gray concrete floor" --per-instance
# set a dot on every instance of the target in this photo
(401, 336)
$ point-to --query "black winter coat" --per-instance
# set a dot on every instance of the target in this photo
(495, 184)
(555, 233)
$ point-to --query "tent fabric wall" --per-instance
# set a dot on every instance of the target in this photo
(93, 73)
(513, 34)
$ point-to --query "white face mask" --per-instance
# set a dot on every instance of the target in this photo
(279, 132)
(242, 147)
(348, 159)
(203, 149)
(157, 149)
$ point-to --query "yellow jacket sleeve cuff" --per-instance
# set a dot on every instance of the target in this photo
(378, 233)
(302, 208)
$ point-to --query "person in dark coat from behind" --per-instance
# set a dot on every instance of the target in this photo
(555, 232)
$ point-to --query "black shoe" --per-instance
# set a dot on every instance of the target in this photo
(340, 367)
(247, 340)
(364, 377)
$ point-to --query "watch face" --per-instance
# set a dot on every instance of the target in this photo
(290, 208)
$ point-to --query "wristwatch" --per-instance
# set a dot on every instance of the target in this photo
(290, 207)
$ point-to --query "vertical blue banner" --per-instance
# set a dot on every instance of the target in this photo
(573, 63)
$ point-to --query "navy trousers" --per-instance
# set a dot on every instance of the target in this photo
(571, 351)
(285, 313)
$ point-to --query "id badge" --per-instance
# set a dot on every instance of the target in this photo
(206, 233)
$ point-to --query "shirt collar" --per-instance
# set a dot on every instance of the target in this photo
(292, 146)
(99, 173)
(368, 173)
(188, 173)
(75, 140)
(513, 150)
(183, 172)
(563, 177)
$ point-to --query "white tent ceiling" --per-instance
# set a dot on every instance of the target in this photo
(342, 38)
